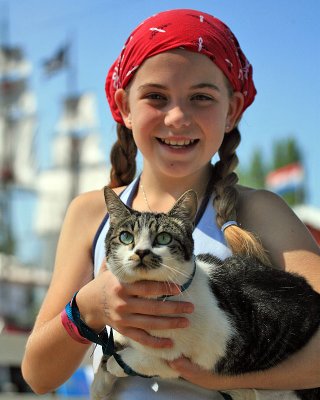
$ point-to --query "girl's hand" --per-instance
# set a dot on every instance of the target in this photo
(193, 373)
(206, 379)
(106, 301)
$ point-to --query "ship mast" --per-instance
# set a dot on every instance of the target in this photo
(78, 162)
(17, 127)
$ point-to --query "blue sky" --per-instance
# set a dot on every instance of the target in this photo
(280, 38)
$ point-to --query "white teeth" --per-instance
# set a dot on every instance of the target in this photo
(177, 142)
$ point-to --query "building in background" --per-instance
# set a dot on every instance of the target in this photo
(18, 124)
(78, 165)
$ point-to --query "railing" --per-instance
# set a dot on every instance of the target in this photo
(12, 347)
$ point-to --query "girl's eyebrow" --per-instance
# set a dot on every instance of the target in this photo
(151, 85)
(202, 85)
(205, 85)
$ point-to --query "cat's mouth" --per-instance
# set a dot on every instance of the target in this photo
(178, 144)
(143, 266)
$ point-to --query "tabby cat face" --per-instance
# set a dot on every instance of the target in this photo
(149, 246)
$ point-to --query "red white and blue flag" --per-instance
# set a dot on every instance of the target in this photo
(286, 179)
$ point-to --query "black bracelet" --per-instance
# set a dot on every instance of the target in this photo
(102, 338)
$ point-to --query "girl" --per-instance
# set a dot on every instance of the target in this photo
(177, 91)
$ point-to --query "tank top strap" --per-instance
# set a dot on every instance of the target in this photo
(207, 236)
(98, 242)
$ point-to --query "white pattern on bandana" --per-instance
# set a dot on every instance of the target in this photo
(157, 30)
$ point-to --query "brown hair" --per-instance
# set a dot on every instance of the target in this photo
(240, 241)
(123, 158)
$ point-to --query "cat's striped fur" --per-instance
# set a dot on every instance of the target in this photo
(247, 317)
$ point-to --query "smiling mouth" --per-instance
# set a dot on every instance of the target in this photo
(178, 143)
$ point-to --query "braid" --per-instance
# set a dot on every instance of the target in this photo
(239, 240)
(123, 158)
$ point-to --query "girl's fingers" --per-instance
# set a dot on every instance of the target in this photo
(159, 307)
(154, 323)
(199, 376)
(152, 288)
(191, 372)
(146, 339)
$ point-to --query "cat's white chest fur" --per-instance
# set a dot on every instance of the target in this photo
(207, 321)
(194, 342)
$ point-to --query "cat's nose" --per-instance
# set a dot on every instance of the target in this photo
(142, 252)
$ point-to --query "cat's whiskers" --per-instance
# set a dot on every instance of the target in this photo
(122, 270)
(175, 271)
(172, 279)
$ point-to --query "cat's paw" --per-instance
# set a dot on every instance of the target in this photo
(102, 383)
(142, 364)
(114, 368)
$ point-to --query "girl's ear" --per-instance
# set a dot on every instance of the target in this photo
(235, 110)
(122, 101)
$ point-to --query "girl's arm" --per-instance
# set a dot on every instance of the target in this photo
(51, 355)
(291, 247)
(301, 371)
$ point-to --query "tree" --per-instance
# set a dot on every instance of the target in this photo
(286, 152)
(254, 175)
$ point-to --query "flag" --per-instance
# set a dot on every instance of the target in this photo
(13, 63)
(286, 179)
(58, 61)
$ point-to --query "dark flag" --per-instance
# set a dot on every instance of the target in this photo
(57, 62)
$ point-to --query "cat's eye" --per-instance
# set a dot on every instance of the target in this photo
(126, 237)
(163, 238)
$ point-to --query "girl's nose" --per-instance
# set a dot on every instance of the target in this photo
(177, 117)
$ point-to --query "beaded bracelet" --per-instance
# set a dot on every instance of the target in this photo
(70, 326)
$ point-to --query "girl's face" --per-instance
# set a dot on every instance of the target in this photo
(179, 107)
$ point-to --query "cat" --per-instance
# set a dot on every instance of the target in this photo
(248, 316)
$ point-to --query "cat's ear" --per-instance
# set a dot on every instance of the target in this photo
(116, 209)
(185, 207)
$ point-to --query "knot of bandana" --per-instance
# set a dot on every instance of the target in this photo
(188, 29)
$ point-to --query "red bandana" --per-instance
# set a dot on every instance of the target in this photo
(188, 29)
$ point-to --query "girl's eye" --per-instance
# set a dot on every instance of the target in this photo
(126, 237)
(202, 97)
(163, 238)
(155, 96)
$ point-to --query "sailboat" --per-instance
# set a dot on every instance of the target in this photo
(78, 165)
(17, 120)
(18, 126)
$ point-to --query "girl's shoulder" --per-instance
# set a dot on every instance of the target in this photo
(258, 208)
(92, 201)
(282, 234)
(89, 208)
(249, 197)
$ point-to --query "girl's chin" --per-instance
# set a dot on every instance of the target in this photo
(179, 169)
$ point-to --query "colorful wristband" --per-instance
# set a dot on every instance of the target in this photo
(72, 329)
